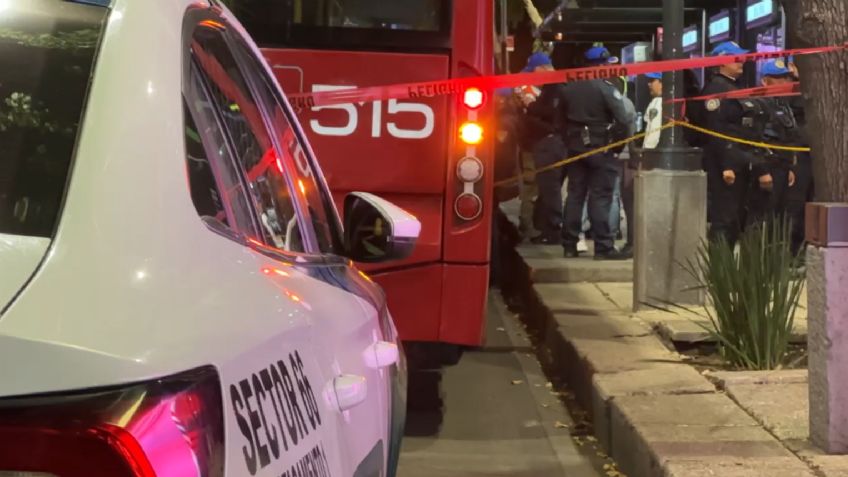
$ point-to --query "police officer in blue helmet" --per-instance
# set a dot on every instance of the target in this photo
(543, 139)
(732, 168)
(791, 171)
(589, 110)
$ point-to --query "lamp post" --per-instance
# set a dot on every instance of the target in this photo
(670, 194)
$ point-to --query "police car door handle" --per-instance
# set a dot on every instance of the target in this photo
(346, 392)
(381, 354)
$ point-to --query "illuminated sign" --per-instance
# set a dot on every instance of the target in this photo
(759, 12)
(691, 39)
(720, 27)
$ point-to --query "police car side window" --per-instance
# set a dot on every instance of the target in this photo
(248, 138)
(312, 194)
(216, 190)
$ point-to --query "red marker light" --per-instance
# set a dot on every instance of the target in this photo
(473, 98)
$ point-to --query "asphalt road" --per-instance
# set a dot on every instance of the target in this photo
(492, 414)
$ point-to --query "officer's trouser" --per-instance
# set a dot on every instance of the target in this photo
(799, 195)
(727, 204)
(527, 193)
(549, 150)
(765, 204)
(627, 198)
(592, 178)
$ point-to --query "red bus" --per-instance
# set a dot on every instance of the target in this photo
(410, 152)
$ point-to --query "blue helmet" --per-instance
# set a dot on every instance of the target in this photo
(728, 48)
(599, 54)
(654, 76)
(536, 60)
(775, 68)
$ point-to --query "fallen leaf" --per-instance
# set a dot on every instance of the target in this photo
(561, 425)
(546, 405)
(517, 381)
(501, 329)
(591, 438)
(549, 385)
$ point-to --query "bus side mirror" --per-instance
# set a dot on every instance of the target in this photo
(375, 230)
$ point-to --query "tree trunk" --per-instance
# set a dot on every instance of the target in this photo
(824, 83)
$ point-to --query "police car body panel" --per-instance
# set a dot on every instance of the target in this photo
(136, 287)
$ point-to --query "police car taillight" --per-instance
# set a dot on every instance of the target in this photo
(170, 426)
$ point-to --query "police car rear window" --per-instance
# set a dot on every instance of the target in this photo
(47, 53)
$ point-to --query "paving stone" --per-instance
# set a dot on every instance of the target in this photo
(682, 326)
(574, 298)
(726, 378)
(685, 331)
(599, 326)
(650, 431)
(662, 379)
(622, 354)
(562, 270)
(826, 465)
(667, 379)
(771, 467)
(782, 408)
(619, 293)
(831, 465)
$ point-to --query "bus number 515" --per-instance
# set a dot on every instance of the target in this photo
(394, 107)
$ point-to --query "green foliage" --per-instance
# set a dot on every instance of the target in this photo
(754, 294)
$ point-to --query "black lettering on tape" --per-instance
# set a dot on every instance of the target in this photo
(270, 430)
(244, 427)
(410, 91)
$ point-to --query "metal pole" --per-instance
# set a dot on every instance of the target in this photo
(673, 80)
(704, 39)
(504, 33)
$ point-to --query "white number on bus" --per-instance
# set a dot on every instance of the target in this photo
(393, 108)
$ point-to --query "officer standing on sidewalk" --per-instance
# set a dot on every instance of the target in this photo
(589, 110)
(781, 129)
(548, 149)
(732, 168)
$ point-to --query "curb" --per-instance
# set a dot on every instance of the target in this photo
(653, 413)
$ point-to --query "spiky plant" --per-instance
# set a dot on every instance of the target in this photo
(754, 293)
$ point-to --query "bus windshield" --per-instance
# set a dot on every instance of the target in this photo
(356, 24)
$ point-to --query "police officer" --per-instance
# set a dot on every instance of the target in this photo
(588, 111)
(781, 129)
(548, 149)
(732, 168)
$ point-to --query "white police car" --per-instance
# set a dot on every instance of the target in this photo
(174, 299)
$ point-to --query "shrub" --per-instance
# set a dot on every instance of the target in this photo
(754, 294)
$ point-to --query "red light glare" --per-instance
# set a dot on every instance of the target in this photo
(473, 98)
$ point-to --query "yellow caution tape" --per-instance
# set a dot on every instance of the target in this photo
(630, 139)
(739, 140)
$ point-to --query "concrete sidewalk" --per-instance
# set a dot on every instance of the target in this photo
(653, 412)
